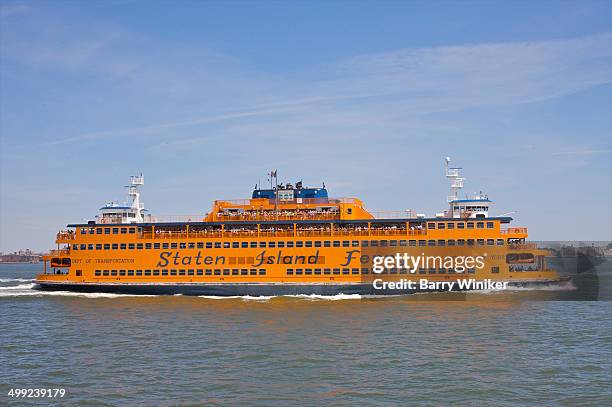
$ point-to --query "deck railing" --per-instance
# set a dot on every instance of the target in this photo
(59, 253)
(66, 235)
(513, 230)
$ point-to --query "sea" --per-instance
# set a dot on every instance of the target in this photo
(546, 347)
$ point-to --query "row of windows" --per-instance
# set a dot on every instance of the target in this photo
(289, 244)
(182, 272)
(107, 231)
(430, 225)
(262, 272)
(460, 225)
(336, 271)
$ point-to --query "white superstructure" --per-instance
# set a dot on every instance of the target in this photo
(475, 207)
(128, 212)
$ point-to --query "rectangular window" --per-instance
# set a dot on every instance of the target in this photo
(244, 245)
(460, 225)
(281, 244)
(392, 242)
(173, 245)
(451, 242)
(190, 272)
(441, 226)
(431, 243)
(200, 245)
(132, 231)
(130, 272)
(147, 272)
(495, 269)
(450, 225)
(461, 242)
(365, 243)
(355, 243)
(98, 246)
(164, 272)
(412, 243)
(422, 243)
(289, 272)
(481, 242)
(98, 231)
(181, 272)
(431, 225)
(182, 245)
(200, 272)
(139, 246)
(105, 273)
(317, 243)
(98, 273)
(336, 243)
(441, 243)
(226, 245)
(115, 246)
(132, 246)
(217, 245)
(500, 242)
(490, 242)
(209, 245)
(123, 246)
(156, 245)
(262, 272)
(470, 225)
(115, 231)
(480, 225)
(156, 272)
(106, 246)
(123, 231)
(299, 244)
(289, 244)
(383, 243)
(345, 243)
(139, 272)
(271, 245)
(490, 225)
(308, 243)
(326, 243)
(262, 245)
(166, 245)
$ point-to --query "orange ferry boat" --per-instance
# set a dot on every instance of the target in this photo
(290, 240)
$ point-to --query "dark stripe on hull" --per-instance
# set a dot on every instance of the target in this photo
(254, 290)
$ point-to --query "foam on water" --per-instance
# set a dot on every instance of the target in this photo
(27, 290)
(10, 280)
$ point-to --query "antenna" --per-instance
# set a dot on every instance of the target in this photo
(453, 174)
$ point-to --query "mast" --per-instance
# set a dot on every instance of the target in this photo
(452, 173)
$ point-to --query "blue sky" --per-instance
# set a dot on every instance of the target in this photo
(206, 97)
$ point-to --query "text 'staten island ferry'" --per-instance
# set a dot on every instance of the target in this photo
(290, 240)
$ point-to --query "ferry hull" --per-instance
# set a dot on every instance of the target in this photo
(253, 290)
